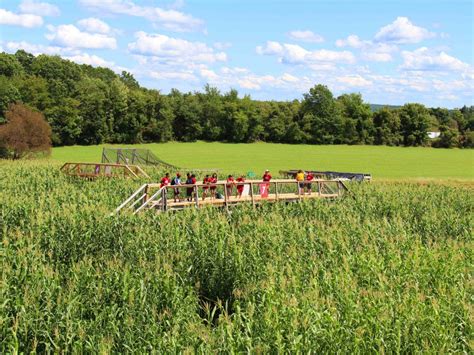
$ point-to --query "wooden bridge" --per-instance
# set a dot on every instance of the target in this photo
(161, 199)
(95, 170)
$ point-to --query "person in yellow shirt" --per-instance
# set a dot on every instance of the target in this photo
(300, 179)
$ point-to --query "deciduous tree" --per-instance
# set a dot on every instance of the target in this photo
(26, 132)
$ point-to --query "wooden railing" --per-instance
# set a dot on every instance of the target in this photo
(163, 198)
(94, 170)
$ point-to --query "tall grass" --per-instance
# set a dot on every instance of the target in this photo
(386, 271)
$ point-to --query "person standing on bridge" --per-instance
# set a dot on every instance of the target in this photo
(309, 179)
(213, 180)
(266, 176)
(240, 187)
(165, 180)
(176, 181)
(205, 188)
(189, 190)
(264, 188)
(300, 180)
(230, 185)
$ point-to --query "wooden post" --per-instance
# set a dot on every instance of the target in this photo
(196, 196)
(319, 188)
(164, 195)
(276, 191)
(146, 194)
(299, 190)
(251, 194)
(225, 197)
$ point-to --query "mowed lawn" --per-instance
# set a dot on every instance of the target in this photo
(382, 162)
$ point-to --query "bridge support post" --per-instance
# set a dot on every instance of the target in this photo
(164, 195)
(251, 195)
(196, 196)
(226, 198)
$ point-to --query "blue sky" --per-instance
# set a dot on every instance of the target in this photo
(392, 52)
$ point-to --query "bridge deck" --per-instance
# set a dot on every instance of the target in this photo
(160, 198)
(232, 200)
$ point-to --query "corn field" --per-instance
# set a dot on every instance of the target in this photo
(386, 269)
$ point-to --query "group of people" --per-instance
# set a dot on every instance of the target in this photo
(304, 181)
(210, 187)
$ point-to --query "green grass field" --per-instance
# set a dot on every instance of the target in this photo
(382, 162)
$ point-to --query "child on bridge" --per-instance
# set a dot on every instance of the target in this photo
(176, 181)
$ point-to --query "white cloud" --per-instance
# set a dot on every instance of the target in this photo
(294, 54)
(24, 20)
(377, 57)
(324, 55)
(71, 36)
(422, 59)
(354, 80)
(36, 49)
(402, 31)
(209, 74)
(271, 48)
(289, 78)
(39, 8)
(235, 70)
(375, 52)
(170, 19)
(351, 41)
(95, 61)
(285, 82)
(72, 54)
(94, 25)
(175, 49)
(245, 79)
(449, 97)
(306, 36)
(173, 76)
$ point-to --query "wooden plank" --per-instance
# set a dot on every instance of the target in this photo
(142, 171)
(126, 167)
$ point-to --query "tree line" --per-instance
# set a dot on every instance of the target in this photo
(87, 105)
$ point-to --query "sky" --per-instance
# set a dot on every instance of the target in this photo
(392, 52)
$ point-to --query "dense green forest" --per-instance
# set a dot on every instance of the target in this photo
(86, 105)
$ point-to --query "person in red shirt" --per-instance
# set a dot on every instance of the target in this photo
(230, 185)
(206, 181)
(213, 180)
(309, 178)
(264, 188)
(240, 187)
(165, 180)
(266, 176)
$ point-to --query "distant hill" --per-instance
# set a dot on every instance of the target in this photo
(378, 107)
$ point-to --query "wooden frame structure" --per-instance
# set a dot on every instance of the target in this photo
(127, 156)
(153, 196)
(95, 170)
(329, 175)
